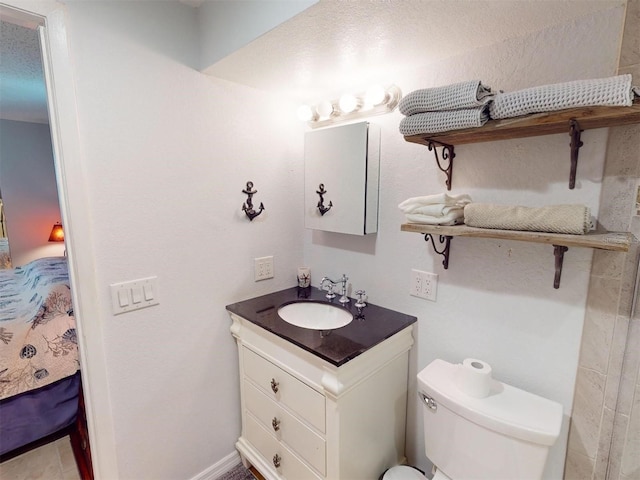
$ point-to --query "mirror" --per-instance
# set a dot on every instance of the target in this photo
(341, 172)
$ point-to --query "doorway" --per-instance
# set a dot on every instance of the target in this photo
(49, 22)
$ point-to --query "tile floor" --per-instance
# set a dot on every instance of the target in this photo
(53, 461)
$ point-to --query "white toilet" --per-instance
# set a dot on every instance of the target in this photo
(504, 436)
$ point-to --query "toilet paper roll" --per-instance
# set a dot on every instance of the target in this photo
(474, 378)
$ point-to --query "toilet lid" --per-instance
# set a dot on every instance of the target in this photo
(403, 472)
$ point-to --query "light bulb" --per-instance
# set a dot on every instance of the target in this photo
(306, 113)
(325, 109)
(349, 103)
(376, 95)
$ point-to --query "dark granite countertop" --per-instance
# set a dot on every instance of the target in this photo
(369, 327)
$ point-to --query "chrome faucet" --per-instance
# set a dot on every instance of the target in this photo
(332, 284)
(343, 291)
(329, 288)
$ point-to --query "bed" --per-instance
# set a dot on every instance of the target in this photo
(39, 364)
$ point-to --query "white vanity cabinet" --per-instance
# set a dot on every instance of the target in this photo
(305, 418)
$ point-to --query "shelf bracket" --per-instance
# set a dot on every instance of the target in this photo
(574, 133)
(558, 252)
(444, 240)
(447, 155)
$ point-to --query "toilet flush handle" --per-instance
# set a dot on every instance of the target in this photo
(430, 402)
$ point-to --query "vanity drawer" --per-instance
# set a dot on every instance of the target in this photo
(285, 427)
(286, 389)
(289, 466)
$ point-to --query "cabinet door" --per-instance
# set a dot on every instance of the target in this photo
(346, 161)
(286, 389)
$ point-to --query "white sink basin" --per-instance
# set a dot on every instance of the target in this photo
(315, 315)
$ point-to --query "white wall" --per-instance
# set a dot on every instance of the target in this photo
(29, 191)
(496, 301)
(167, 152)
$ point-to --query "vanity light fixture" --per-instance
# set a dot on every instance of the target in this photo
(375, 101)
(327, 109)
(349, 103)
(376, 95)
(307, 113)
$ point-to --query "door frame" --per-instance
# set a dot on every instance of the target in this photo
(49, 17)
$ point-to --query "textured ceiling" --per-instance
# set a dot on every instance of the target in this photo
(333, 45)
(22, 92)
(338, 44)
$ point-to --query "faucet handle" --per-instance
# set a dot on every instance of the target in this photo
(330, 293)
(360, 302)
(343, 290)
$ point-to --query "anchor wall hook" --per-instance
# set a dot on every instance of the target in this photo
(247, 207)
(321, 191)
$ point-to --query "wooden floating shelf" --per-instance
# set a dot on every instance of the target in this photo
(536, 124)
(614, 241)
(572, 121)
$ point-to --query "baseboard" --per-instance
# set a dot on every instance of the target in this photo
(218, 469)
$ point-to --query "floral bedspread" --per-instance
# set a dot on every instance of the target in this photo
(38, 342)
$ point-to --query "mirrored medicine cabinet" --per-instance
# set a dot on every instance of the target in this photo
(341, 176)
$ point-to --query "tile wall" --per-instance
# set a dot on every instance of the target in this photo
(604, 438)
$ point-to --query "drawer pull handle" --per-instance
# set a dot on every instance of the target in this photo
(274, 385)
(275, 423)
(276, 460)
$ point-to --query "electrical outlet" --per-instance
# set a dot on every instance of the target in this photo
(429, 286)
(268, 267)
(415, 287)
(263, 268)
(423, 285)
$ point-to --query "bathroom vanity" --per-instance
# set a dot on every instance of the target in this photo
(321, 404)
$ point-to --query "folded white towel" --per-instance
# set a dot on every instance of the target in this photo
(611, 91)
(468, 94)
(454, 217)
(440, 200)
(438, 210)
(436, 122)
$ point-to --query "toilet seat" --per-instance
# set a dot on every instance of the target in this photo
(403, 472)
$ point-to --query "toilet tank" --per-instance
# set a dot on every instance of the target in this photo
(505, 435)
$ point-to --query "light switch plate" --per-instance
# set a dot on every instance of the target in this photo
(133, 295)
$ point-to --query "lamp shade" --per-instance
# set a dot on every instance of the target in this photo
(57, 233)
